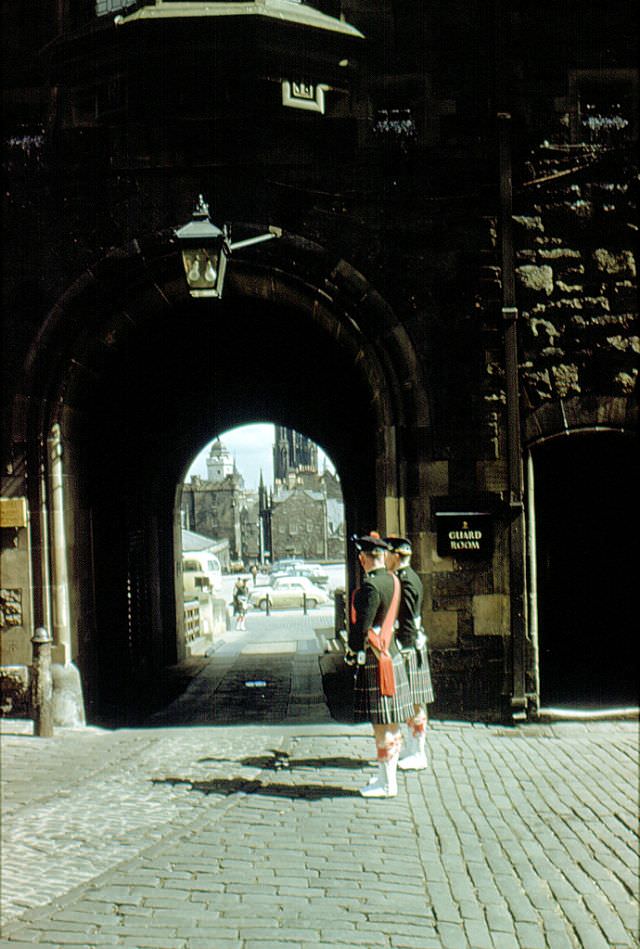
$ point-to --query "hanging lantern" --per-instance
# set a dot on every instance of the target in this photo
(205, 250)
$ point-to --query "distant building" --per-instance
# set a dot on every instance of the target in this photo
(219, 463)
(221, 507)
(293, 454)
(307, 524)
(305, 514)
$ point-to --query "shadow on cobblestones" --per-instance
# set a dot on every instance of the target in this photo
(280, 760)
(228, 786)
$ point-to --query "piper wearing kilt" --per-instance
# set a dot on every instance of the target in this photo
(413, 643)
(381, 691)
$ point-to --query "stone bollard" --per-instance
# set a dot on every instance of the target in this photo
(42, 684)
(304, 604)
(68, 703)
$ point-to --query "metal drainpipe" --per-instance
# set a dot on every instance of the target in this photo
(532, 555)
(60, 577)
(518, 619)
(45, 573)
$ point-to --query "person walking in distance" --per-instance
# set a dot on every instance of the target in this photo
(413, 644)
(240, 603)
(381, 691)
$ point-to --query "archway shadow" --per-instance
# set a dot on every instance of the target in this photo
(228, 786)
(278, 760)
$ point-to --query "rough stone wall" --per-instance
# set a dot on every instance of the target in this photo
(576, 282)
(16, 619)
(15, 682)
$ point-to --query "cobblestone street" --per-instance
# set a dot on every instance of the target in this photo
(253, 836)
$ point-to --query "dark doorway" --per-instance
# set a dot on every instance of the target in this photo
(586, 499)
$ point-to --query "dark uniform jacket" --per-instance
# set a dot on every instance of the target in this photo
(371, 602)
(410, 606)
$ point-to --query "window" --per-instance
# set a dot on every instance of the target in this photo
(397, 126)
(604, 106)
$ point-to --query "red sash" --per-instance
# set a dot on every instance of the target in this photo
(381, 641)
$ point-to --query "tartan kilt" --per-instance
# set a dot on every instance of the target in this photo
(419, 677)
(369, 705)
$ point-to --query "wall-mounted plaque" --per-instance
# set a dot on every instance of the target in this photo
(464, 534)
(13, 512)
(304, 95)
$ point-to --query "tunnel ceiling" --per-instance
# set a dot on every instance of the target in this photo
(213, 366)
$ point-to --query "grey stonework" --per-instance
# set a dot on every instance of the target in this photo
(67, 698)
(14, 689)
(10, 608)
(578, 298)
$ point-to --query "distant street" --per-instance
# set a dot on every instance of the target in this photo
(336, 572)
(268, 673)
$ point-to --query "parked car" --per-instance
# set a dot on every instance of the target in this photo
(288, 592)
(301, 569)
(286, 562)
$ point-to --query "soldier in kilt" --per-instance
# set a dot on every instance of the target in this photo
(413, 643)
(381, 692)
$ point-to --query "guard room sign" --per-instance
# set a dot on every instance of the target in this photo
(464, 534)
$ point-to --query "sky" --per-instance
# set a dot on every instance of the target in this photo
(252, 448)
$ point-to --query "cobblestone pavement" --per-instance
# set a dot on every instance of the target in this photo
(253, 836)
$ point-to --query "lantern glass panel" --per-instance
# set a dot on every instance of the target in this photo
(202, 270)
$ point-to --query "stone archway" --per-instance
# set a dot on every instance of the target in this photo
(135, 374)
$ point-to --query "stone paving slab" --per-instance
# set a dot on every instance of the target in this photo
(255, 837)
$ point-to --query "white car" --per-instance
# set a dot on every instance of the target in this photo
(288, 592)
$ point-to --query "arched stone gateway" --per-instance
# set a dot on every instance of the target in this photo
(128, 376)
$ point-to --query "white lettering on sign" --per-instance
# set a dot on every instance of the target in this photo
(465, 539)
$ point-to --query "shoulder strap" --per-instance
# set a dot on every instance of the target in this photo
(386, 630)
